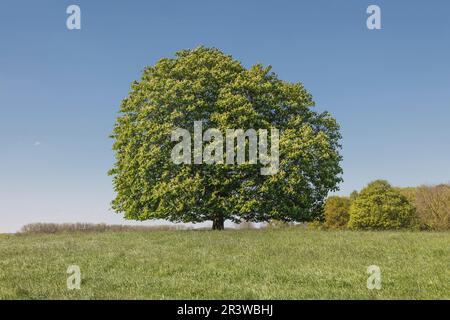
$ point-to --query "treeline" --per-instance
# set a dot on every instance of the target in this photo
(379, 206)
(46, 228)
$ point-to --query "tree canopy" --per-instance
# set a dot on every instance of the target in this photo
(206, 85)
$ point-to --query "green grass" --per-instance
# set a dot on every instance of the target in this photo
(242, 264)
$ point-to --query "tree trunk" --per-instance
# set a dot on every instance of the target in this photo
(218, 223)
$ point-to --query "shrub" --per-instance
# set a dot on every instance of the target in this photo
(337, 212)
(379, 206)
(433, 207)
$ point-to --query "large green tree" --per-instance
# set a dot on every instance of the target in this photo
(206, 85)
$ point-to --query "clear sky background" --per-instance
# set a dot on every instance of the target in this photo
(60, 90)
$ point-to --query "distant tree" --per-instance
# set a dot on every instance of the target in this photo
(433, 206)
(337, 212)
(379, 206)
(206, 85)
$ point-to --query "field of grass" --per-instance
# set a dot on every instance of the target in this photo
(235, 264)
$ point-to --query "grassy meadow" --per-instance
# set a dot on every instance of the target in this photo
(292, 263)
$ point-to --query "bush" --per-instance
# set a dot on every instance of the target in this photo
(433, 207)
(337, 212)
(379, 206)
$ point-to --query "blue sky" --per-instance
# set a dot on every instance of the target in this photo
(60, 90)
